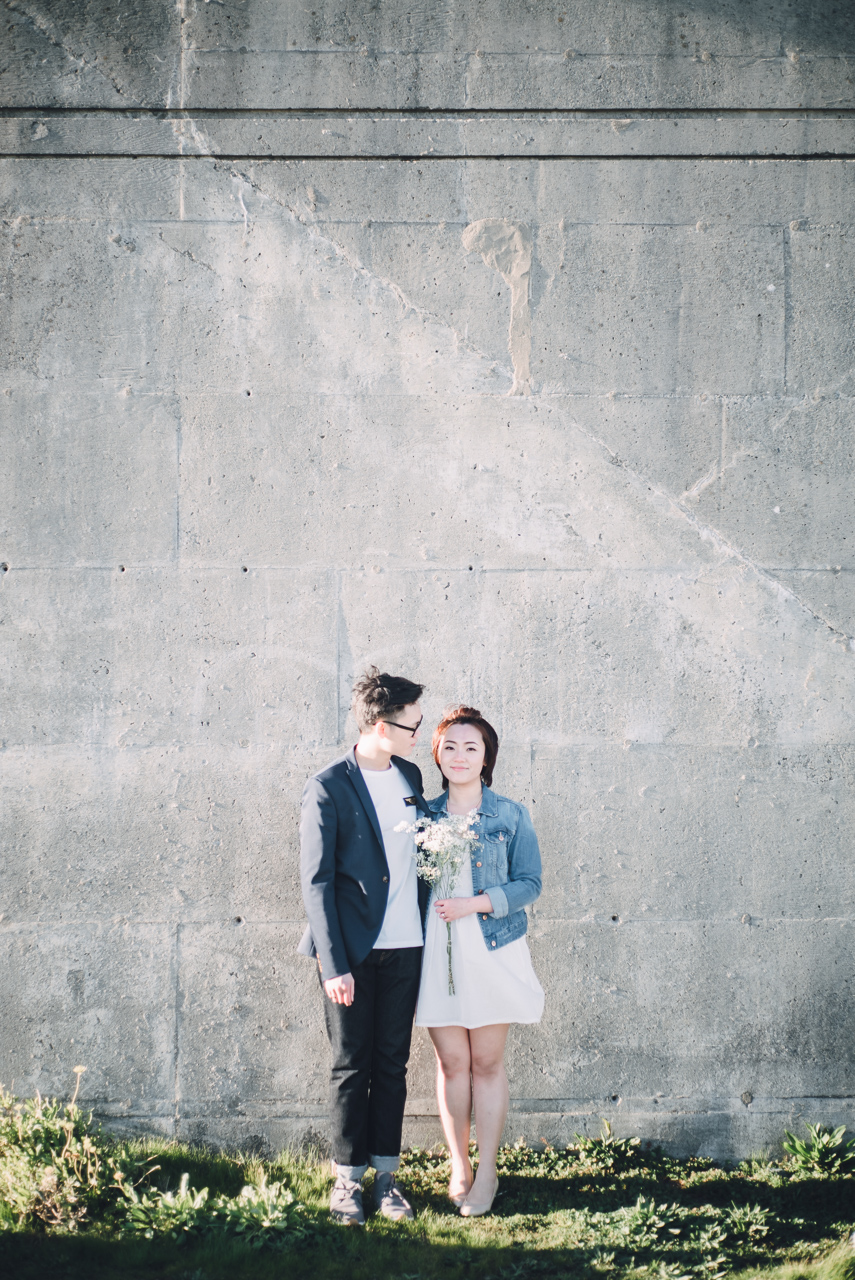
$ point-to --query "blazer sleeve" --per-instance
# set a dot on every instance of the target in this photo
(318, 828)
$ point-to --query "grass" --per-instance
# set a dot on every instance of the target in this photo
(617, 1213)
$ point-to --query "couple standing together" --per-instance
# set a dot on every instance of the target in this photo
(379, 938)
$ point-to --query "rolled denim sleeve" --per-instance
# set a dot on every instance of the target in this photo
(524, 871)
(498, 897)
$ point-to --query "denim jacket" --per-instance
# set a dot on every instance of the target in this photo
(505, 864)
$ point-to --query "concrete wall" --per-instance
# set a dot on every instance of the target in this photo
(507, 345)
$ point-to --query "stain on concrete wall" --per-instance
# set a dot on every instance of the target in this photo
(543, 393)
(506, 248)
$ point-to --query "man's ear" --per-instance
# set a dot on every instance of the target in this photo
(381, 728)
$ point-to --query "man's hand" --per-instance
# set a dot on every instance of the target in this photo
(340, 989)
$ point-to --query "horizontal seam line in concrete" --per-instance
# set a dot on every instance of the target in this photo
(334, 49)
(107, 922)
(315, 1109)
(667, 921)
(198, 1107)
(796, 399)
(601, 744)
(406, 158)
(536, 1105)
(687, 570)
(417, 113)
(195, 1104)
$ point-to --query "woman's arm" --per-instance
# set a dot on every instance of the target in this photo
(457, 908)
(524, 883)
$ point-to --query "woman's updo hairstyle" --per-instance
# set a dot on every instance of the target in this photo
(467, 715)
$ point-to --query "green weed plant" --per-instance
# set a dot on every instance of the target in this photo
(56, 1169)
(75, 1203)
(824, 1151)
(59, 1172)
(260, 1216)
(609, 1152)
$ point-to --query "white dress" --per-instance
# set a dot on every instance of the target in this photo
(490, 986)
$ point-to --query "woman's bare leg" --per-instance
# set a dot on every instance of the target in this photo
(490, 1094)
(454, 1094)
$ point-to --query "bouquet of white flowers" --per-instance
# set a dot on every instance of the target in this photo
(441, 845)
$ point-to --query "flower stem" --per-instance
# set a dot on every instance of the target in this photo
(448, 949)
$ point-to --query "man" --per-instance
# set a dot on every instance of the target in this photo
(366, 907)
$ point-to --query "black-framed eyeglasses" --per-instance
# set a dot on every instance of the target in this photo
(409, 728)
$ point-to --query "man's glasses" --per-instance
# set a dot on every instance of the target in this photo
(413, 729)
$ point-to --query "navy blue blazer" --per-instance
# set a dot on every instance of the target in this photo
(343, 867)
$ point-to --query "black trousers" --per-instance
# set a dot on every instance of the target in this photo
(370, 1042)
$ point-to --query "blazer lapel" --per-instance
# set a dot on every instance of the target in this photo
(355, 775)
(407, 770)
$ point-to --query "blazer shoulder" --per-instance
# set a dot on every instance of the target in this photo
(334, 772)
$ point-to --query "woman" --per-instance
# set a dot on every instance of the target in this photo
(494, 982)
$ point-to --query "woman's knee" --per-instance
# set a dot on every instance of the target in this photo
(453, 1064)
(451, 1046)
(488, 1061)
(488, 1066)
(487, 1046)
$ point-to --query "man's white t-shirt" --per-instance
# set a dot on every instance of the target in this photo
(402, 925)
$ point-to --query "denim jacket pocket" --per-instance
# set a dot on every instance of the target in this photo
(494, 851)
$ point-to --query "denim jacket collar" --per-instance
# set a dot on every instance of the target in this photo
(489, 805)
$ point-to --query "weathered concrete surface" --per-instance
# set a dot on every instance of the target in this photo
(463, 54)
(556, 415)
(295, 134)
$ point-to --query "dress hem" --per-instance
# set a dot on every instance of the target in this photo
(475, 1026)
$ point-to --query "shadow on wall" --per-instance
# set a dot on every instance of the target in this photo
(470, 26)
(467, 26)
(62, 53)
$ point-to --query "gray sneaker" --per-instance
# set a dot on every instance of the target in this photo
(388, 1199)
(346, 1203)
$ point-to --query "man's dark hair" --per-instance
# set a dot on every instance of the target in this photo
(379, 696)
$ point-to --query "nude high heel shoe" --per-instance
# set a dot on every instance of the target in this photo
(471, 1210)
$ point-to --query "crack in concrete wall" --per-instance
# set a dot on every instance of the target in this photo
(709, 533)
(406, 304)
(506, 248)
(41, 23)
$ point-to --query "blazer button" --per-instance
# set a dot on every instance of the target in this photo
(484, 918)
(385, 879)
(493, 943)
(477, 864)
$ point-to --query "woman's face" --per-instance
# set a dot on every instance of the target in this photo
(461, 754)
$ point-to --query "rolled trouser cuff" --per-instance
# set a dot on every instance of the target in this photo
(384, 1164)
(353, 1172)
